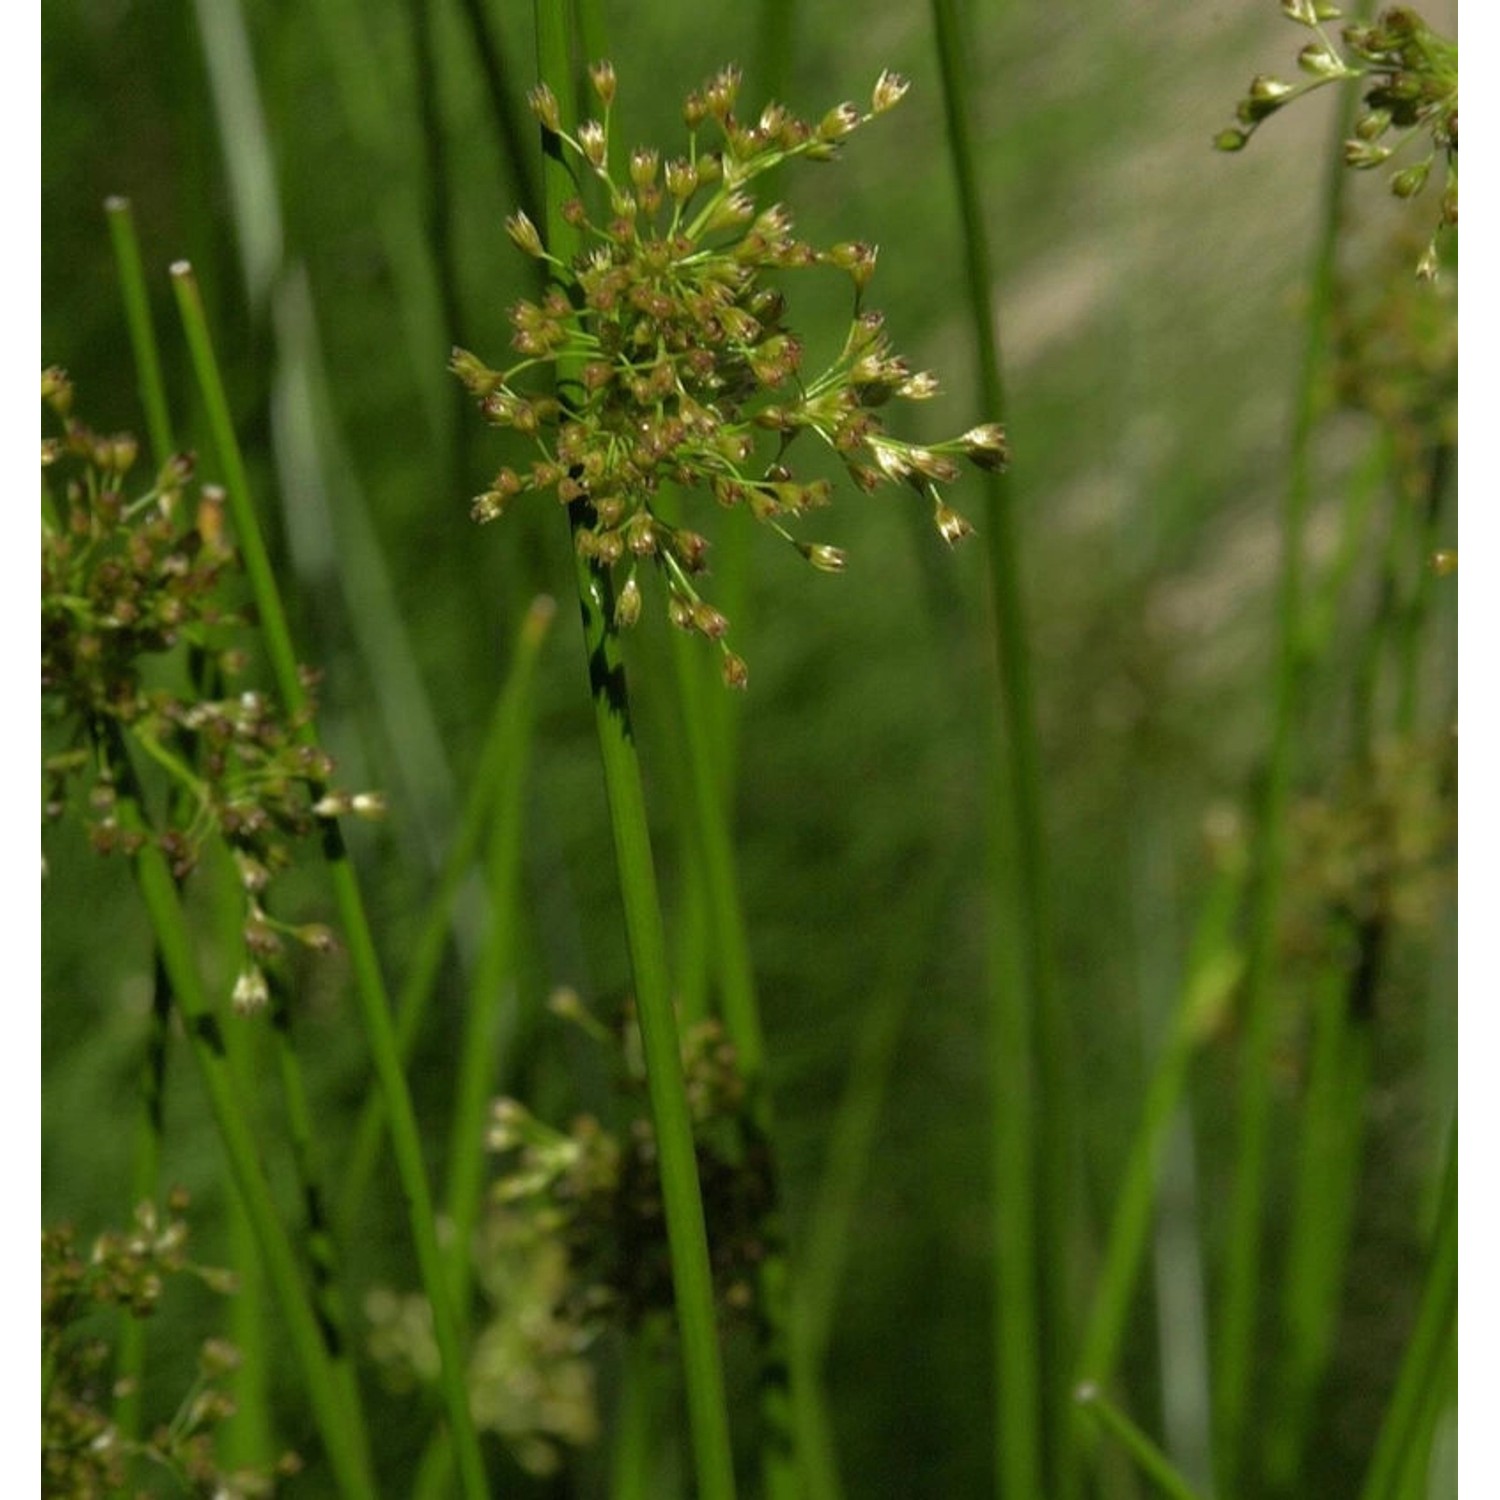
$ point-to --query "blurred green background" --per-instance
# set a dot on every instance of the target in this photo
(344, 216)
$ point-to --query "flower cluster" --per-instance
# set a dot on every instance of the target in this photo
(574, 1241)
(672, 362)
(1377, 855)
(83, 1453)
(1412, 76)
(126, 583)
(597, 1191)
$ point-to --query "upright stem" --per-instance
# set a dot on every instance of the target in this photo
(1236, 1357)
(338, 1422)
(682, 1200)
(1034, 1151)
(138, 320)
(369, 985)
(146, 1164)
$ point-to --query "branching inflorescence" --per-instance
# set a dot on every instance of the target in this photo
(126, 580)
(673, 360)
(1413, 90)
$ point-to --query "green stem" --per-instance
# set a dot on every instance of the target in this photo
(335, 1421)
(1331, 1135)
(682, 1200)
(143, 346)
(147, 359)
(1213, 970)
(1237, 1354)
(369, 984)
(508, 728)
(1034, 1149)
(1149, 1459)
(1426, 1362)
(320, 1247)
(483, 1029)
(145, 1168)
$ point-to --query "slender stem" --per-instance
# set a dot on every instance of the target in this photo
(369, 984)
(320, 1247)
(480, 1054)
(1331, 1135)
(1426, 1363)
(1214, 968)
(682, 1200)
(508, 729)
(147, 358)
(144, 1171)
(1034, 1150)
(1237, 1355)
(1149, 1459)
(510, 120)
(138, 320)
(832, 1222)
(336, 1423)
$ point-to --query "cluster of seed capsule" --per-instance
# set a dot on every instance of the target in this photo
(669, 360)
(129, 581)
(1412, 94)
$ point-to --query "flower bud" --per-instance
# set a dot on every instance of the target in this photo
(544, 106)
(736, 673)
(951, 526)
(591, 139)
(1409, 183)
(889, 90)
(251, 992)
(987, 446)
(1322, 62)
(643, 165)
(824, 558)
(524, 233)
(839, 121)
(473, 371)
(628, 604)
(602, 76)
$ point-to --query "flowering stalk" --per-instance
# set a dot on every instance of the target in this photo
(1033, 1169)
(681, 1195)
(369, 983)
(1235, 1356)
(337, 1415)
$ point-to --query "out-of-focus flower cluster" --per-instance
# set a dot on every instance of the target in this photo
(139, 638)
(574, 1242)
(661, 353)
(1412, 94)
(1377, 856)
(1395, 346)
(83, 1453)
